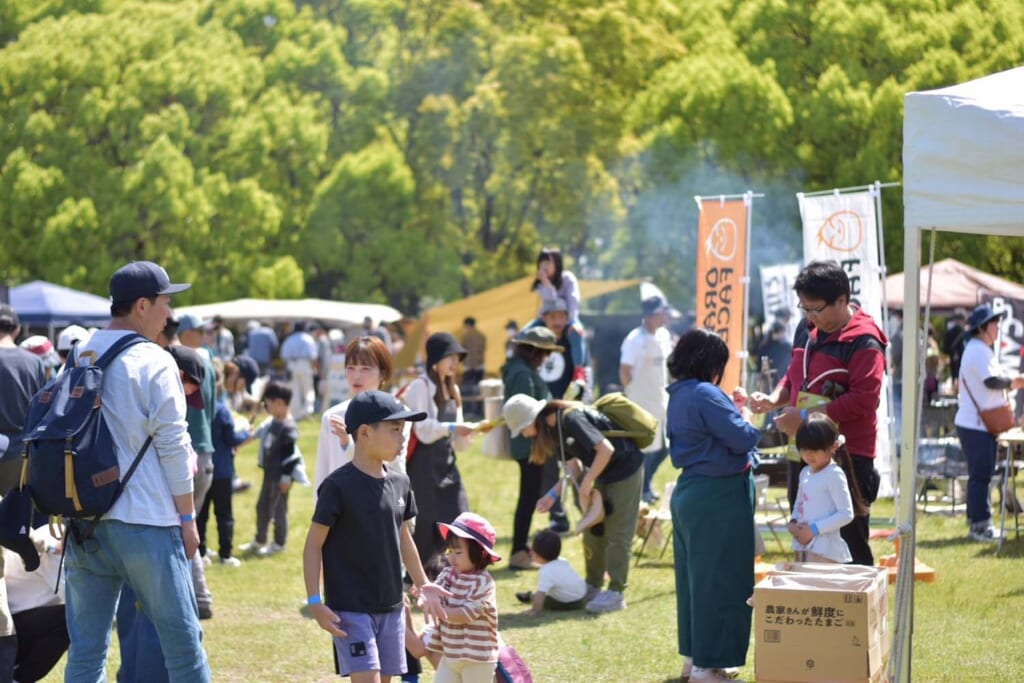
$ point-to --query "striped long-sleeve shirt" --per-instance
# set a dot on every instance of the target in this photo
(476, 640)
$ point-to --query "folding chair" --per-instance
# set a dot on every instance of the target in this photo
(653, 519)
(766, 512)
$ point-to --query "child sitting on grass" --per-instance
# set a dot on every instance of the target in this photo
(559, 587)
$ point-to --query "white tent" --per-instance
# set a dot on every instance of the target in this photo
(963, 171)
(332, 313)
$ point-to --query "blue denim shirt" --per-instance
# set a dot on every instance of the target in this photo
(707, 435)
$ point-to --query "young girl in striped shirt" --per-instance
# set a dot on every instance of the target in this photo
(468, 637)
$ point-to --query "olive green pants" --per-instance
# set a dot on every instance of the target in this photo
(611, 551)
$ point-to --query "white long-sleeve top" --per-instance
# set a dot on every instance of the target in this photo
(143, 396)
(824, 500)
(420, 397)
(330, 454)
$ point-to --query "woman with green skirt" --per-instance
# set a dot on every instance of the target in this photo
(712, 509)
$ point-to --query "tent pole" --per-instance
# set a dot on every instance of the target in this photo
(900, 669)
(748, 201)
(890, 393)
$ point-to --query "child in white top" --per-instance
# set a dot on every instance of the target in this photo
(467, 637)
(559, 587)
(824, 503)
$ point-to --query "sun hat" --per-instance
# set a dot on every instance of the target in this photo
(140, 279)
(441, 345)
(472, 527)
(520, 411)
(191, 363)
(981, 315)
(371, 407)
(539, 337)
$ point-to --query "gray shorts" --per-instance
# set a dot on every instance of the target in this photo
(375, 642)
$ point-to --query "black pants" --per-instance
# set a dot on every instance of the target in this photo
(530, 483)
(220, 498)
(42, 641)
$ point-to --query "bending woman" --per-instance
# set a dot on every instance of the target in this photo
(613, 466)
(712, 509)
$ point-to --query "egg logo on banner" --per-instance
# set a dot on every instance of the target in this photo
(722, 240)
(842, 231)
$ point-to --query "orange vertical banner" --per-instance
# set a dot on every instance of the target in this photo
(721, 277)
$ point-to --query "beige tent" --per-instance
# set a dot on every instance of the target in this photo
(954, 285)
(492, 310)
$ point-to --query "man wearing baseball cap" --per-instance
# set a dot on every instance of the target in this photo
(22, 374)
(144, 540)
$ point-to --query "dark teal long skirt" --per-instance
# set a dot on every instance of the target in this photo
(713, 535)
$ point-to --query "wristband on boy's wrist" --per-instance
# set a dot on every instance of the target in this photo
(187, 518)
(551, 492)
(814, 529)
(313, 600)
(451, 429)
(803, 413)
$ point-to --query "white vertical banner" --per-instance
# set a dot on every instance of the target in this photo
(843, 227)
(777, 293)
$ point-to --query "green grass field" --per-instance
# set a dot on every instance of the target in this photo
(965, 623)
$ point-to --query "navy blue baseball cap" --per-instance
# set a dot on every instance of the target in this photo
(141, 279)
(371, 407)
(981, 315)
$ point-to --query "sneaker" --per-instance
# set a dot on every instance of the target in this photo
(207, 561)
(702, 675)
(560, 525)
(687, 669)
(273, 549)
(592, 592)
(521, 559)
(525, 597)
(230, 562)
(205, 612)
(984, 534)
(607, 601)
(251, 548)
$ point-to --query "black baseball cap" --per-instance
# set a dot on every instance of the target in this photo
(141, 279)
(371, 407)
(191, 363)
(8, 316)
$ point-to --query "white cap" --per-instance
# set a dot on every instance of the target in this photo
(69, 335)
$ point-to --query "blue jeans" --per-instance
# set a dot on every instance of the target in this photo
(980, 450)
(652, 461)
(152, 560)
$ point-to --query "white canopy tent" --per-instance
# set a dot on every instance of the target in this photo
(963, 171)
(332, 313)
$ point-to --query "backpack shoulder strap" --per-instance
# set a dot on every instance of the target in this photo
(117, 348)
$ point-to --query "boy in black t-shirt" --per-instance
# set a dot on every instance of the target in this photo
(361, 535)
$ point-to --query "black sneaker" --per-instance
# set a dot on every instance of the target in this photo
(525, 597)
(560, 525)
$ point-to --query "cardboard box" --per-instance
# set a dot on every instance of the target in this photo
(821, 623)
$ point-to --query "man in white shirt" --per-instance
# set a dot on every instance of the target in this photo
(146, 538)
(644, 375)
(300, 353)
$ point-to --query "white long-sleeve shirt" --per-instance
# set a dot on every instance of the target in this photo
(143, 396)
(824, 500)
(420, 397)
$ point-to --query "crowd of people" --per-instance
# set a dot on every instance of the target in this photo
(391, 508)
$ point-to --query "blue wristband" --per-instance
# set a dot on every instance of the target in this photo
(551, 492)
(313, 600)
(803, 414)
(451, 429)
(187, 518)
(814, 529)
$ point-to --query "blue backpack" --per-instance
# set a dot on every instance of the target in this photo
(70, 457)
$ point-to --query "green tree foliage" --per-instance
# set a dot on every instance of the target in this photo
(406, 151)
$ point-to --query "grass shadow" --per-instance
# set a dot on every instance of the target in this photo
(521, 620)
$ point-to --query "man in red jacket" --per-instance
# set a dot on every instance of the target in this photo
(842, 364)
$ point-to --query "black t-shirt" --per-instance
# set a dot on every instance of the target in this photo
(557, 370)
(362, 561)
(21, 375)
(582, 429)
(279, 447)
